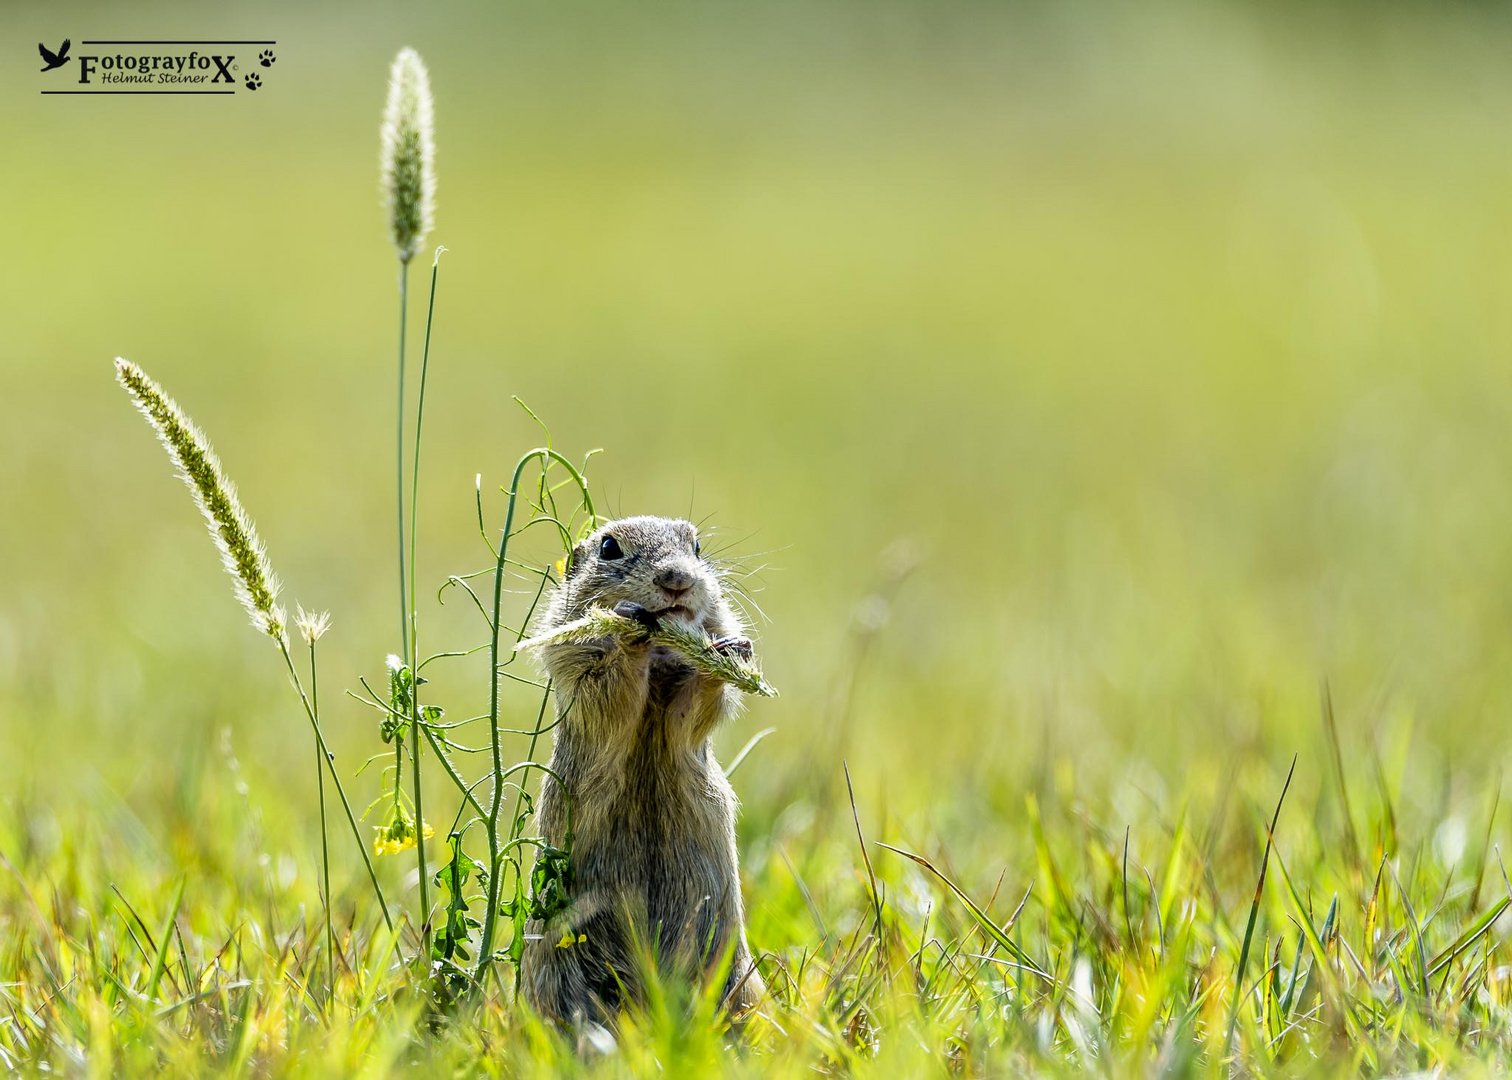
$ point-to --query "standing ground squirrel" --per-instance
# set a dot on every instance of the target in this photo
(654, 875)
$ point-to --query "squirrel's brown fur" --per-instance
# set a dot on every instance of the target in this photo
(654, 873)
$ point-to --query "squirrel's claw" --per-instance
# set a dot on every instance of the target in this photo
(629, 609)
(734, 646)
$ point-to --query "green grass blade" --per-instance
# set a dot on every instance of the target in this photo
(164, 942)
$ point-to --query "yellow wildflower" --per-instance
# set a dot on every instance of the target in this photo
(399, 834)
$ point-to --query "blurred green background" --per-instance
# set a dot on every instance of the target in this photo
(1169, 342)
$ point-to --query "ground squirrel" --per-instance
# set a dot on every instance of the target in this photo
(653, 867)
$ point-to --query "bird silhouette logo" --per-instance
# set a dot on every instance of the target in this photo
(54, 60)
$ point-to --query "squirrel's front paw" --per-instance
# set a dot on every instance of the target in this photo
(734, 646)
(636, 613)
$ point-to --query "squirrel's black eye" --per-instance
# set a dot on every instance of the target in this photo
(697, 548)
(609, 549)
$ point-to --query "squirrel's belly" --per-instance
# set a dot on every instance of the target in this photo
(670, 870)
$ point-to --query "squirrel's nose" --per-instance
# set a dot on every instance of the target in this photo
(674, 579)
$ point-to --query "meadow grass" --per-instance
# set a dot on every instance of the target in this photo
(1094, 950)
(1193, 425)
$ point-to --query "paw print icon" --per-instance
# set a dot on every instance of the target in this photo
(253, 80)
(266, 58)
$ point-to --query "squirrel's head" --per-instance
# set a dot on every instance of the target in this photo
(653, 561)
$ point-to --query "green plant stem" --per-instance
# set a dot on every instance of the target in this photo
(283, 647)
(452, 772)
(404, 599)
(412, 639)
(1249, 926)
(414, 503)
(546, 456)
(399, 457)
(514, 821)
(406, 616)
(325, 848)
(398, 773)
(535, 735)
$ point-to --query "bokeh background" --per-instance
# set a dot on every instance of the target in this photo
(1093, 382)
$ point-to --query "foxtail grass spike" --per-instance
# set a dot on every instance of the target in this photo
(694, 647)
(242, 551)
(408, 164)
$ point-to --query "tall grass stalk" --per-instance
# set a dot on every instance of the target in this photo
(404, 605)
(409, 183)
(311, 628)
(242, 550)
(346, 806)
(1254, 912)
(412, 640)
(398, 463)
